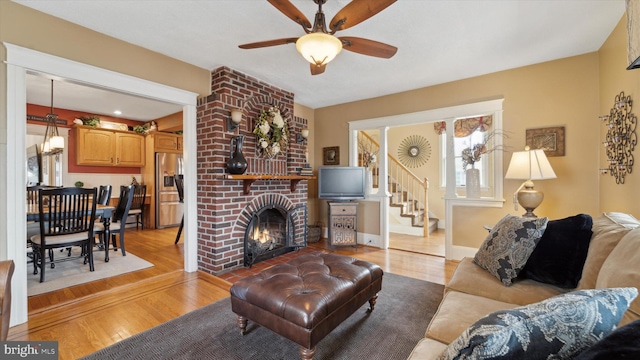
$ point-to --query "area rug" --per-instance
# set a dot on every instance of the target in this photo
(400, 318)
(74, 272)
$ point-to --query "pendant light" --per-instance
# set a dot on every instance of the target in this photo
(53, 143)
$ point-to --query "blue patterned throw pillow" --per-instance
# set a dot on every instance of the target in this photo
(506, 249)
(560, 327)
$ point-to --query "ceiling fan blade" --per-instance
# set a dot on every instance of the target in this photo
(368, 47)
(356, 12)
(275, 42)
(291, 12)
(317, 69)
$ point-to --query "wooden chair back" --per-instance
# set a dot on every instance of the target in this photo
(6, 273)
(179, 181)
(124, 204)
(104, 194)
(32, 193)
(139, 195)
(65, 211)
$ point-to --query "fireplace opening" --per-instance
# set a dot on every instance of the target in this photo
(274, 231)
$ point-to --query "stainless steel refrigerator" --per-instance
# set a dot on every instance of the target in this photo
(168, 205)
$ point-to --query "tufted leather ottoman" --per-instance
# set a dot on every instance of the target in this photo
(307, 297)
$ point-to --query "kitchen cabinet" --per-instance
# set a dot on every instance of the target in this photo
(99, 147)
(166, 142)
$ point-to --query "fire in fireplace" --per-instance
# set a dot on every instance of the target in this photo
(274, 231)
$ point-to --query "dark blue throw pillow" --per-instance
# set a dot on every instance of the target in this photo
(622, 343)
(559, 257)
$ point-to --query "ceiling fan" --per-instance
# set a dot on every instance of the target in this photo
(319, 46)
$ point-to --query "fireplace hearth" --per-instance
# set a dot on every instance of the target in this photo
(273, 231)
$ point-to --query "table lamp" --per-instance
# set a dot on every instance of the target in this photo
(529, 165)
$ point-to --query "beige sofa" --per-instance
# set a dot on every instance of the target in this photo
(612, 261)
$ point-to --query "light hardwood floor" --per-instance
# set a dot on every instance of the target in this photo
(88, 317)
(431, 245)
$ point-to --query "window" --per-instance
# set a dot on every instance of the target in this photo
(459, 144)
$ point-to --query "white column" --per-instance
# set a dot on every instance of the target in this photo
(190, 156)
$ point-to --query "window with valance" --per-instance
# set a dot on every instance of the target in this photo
(467, 132)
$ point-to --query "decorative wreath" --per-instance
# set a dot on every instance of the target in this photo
(272, 133)
(414, 151)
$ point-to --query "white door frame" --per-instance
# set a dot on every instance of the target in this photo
(19, 61)
(449, 115)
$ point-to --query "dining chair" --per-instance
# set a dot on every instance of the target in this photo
(66, 217)
(137, 205)
(104, 194)
(179, 181)
(33, 227)
(118, 220)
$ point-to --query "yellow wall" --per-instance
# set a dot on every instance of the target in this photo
(614, 78)
(557, 93)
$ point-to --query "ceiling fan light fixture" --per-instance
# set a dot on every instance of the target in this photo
(319, 48)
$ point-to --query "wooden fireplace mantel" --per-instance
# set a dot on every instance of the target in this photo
(250, 179)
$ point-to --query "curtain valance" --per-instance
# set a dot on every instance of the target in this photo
(464, 127)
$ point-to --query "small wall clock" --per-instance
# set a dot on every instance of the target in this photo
(414, 151)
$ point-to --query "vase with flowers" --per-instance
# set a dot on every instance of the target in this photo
(272, 133)
(470, 156)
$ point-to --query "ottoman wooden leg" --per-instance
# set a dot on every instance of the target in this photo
(307, 354)
(372, 303)
(242, 323)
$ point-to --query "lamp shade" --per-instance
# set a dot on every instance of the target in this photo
(530, 165)
(318, 48)
(236, 115)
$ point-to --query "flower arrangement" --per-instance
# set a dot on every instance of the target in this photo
(272, 132)
(369, 157)
(473, 153)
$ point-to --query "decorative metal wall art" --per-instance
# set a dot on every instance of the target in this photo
(414, 151)
(621, 138)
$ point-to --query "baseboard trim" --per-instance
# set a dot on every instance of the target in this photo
(460, 252)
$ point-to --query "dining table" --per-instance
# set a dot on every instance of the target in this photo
(104, 211)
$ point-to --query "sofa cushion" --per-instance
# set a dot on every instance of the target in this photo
(507, 248)
(559, 257)
(457, 312)
(622, 343)
(608, 229)
(472, 279)
(560, 327)
(622, 268)
(427, 349)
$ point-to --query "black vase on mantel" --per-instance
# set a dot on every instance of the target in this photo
(236, 164)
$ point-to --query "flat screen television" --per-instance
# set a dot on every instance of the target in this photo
(341, 183)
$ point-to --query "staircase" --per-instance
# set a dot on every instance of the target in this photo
(409, 194)
(410, 213)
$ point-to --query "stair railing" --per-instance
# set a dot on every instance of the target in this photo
(404, 185)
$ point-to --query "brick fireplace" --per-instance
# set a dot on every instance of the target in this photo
(225, 208)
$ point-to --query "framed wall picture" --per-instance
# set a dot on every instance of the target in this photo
(331, 155)
(550, 139)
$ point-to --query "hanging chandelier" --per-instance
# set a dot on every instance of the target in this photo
(53, 143)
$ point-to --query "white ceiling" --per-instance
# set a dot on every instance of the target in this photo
(438, 41)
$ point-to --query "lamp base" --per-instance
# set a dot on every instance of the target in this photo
(530, 199)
